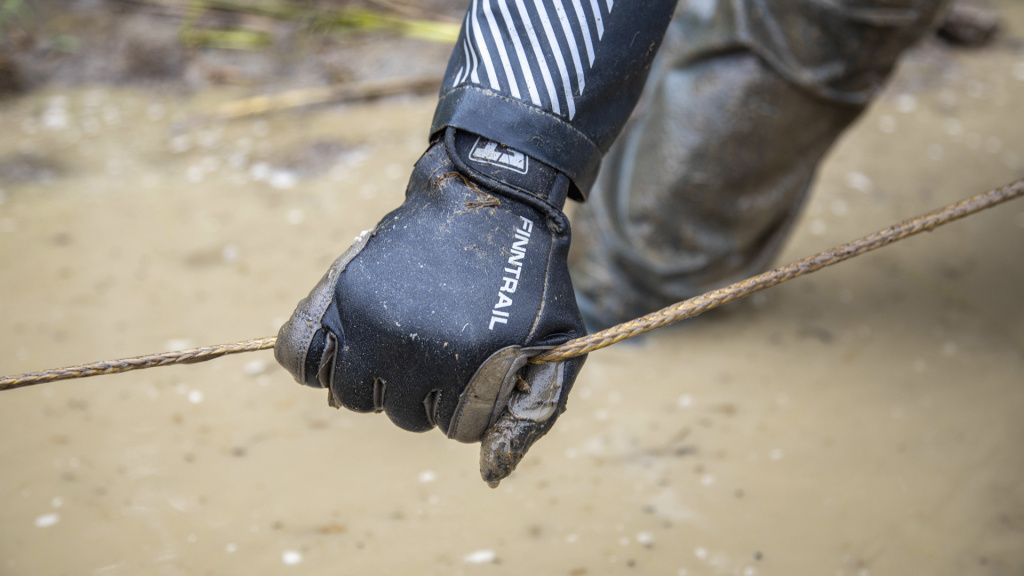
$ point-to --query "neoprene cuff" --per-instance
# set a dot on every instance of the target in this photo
(526, 128)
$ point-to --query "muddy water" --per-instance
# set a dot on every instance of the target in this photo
(867, 420)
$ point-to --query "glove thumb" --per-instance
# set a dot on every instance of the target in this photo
(532, 410)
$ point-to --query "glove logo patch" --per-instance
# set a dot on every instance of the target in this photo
(513, 272)
(489, 152)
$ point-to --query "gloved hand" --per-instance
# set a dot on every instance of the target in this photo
(433, 315)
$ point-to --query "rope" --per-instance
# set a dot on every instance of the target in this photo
(191, 356)
(710, 300)
(598, 340)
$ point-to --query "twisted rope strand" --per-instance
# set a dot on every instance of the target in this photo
(710, 300)
(191, 356)
(598, 340)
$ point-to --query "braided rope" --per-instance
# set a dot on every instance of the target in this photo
(190, 356)
(598, 340)
(710, 300)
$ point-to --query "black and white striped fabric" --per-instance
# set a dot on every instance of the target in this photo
(583, 62)
(533, 50)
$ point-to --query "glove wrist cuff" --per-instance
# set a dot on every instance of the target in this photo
(527, 128)
(509, 173)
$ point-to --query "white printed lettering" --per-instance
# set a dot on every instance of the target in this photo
(513, 273)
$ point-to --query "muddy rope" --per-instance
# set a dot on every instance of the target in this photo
(680, 311)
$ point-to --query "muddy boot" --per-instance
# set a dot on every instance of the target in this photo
(746, 98)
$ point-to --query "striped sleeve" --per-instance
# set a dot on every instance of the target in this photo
(554, 79)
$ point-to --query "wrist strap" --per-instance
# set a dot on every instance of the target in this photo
(548, 201)
(496, 162)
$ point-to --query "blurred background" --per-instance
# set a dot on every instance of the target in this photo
(177, 173)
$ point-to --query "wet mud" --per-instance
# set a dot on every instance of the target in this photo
(864, 420)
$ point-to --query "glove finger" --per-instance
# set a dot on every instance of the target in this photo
(530, 414)
(407, 406)
(303, 339)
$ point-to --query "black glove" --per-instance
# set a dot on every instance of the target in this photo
(432, 316)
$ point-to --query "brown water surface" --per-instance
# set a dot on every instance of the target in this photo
(866, 420)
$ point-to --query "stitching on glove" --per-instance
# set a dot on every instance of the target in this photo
(431, 404)
(380, 388)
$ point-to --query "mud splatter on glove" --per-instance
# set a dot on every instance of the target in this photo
(432, 317)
